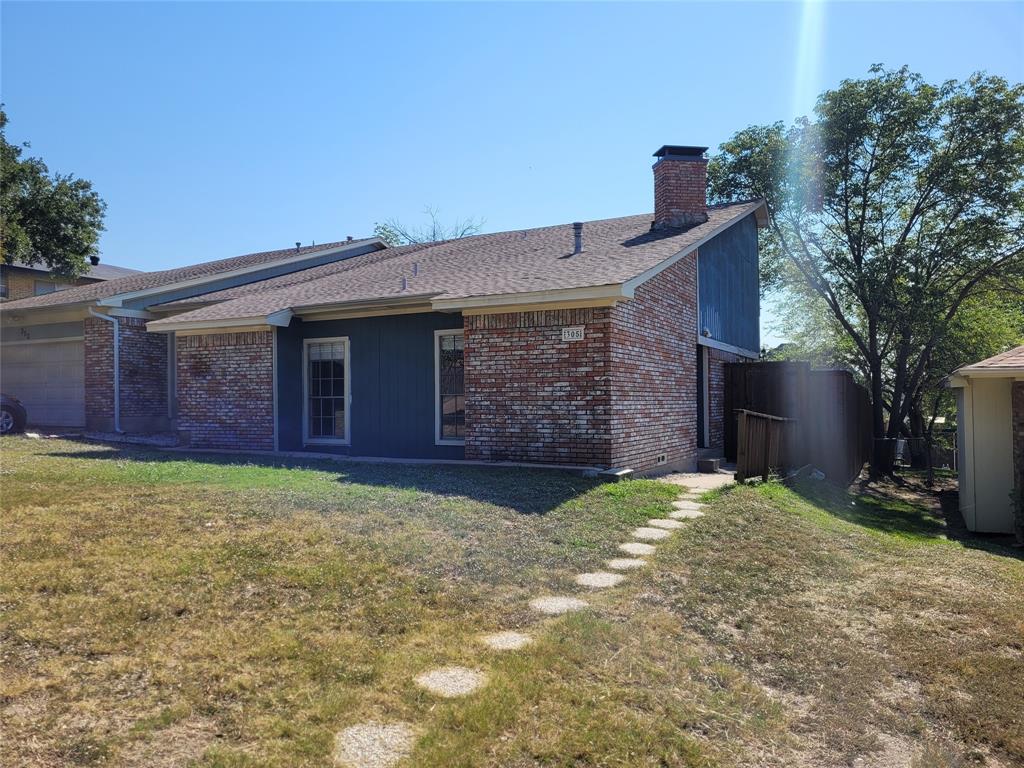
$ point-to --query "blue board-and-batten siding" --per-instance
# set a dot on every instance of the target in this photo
(728, 286)
(392, 385)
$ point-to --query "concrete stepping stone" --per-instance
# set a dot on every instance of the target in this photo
(625, 563)
(650, 534)
(554, 606)
(636, 548)
(686, 504)
(373, 745)
(599, 580)
(668, 525)
(451, 682)
(686, 514)
(506, 641)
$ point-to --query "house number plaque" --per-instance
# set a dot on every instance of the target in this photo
(573, 334)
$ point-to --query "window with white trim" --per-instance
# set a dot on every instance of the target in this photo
(449, 390)
(327, 389)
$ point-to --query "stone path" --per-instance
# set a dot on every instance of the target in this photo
(625, 563)
(650, 534)
(450, 682)
(373, 745)
(553, 606)
(377, 745)
(506, 641)
(599, 580)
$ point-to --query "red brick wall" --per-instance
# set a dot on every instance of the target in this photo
(531, 396)
(654, 371)
(1018, 430)
(680, 192)
(717, 359)
(143, 361)
(143, 376)
(99, 373)
(225, 390)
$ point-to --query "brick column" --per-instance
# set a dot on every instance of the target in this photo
(99, 374)
(531, 396)
(225, 390)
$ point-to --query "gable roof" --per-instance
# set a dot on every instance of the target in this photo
(145, 281)
(532, 265)
(1005, 363)
(99, 271)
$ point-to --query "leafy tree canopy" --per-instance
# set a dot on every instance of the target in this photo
(896, 204)
(49, 219)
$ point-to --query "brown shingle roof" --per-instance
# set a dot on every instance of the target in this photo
(141, 281)
(99, 271)
(614, 252)
(1010, 361)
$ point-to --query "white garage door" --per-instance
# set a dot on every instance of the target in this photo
(48, 378)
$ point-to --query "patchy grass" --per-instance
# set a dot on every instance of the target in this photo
(161, 609)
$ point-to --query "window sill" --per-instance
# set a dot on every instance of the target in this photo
(449, 442)
(325, 441)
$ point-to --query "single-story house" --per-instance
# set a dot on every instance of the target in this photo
(599, 343)
(990, 439)
(19, 280)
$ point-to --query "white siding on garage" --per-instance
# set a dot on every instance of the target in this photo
(49, 379)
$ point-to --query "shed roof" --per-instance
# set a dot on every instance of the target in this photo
(1010, 362)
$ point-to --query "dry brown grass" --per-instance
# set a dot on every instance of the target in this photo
(159, 610)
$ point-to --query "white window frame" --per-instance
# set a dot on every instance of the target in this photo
(306, 439)
(438, 440)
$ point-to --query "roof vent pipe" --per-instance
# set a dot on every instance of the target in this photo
(405, 283)
(577, 234)
(94, 259)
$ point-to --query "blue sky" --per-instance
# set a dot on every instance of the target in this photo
(214, 129)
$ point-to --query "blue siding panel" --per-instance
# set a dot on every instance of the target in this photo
(728, 286)
(392, 384)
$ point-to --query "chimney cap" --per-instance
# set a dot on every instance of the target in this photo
(676, 150)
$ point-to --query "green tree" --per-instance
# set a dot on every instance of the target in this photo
(53, 219)
(394, 232)
(895, 204)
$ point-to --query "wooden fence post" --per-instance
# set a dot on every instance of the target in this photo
(741, 446)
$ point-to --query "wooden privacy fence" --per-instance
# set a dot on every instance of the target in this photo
(832, 414)
(764, 444)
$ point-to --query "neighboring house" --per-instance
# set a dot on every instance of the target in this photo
(990, 439)
(597, 344)
(20, 280)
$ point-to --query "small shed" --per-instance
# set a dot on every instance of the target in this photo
(990, 439)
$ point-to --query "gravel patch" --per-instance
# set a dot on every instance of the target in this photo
(650, 534)
(450, 682)
(625, 563)
(686, 514)
(373, 745)
(599, 580)
(636, 548)
(506, 641)
(556, 605)
(668, 525)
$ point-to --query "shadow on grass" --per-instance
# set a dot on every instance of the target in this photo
(525, 491)
(906, 510)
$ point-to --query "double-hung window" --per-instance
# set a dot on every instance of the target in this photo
(326, 386)
(449, 389)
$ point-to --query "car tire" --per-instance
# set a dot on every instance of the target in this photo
(10, 421)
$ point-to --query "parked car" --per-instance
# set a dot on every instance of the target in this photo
(12, 415)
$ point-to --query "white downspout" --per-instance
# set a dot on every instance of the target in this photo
(117, 365)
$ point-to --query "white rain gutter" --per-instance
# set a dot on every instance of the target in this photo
(117, 365)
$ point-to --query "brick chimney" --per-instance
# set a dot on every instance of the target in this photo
(680, 187)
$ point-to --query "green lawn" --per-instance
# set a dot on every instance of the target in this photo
(158, 609)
